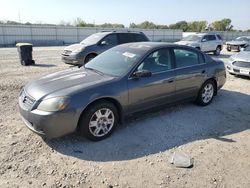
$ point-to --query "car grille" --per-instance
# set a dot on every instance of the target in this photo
(27, 100)
(236, 70)
(66, 52)
(242, 64)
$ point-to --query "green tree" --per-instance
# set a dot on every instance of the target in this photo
(109, 25)
(179, 25)
(197, 26)
(222, 25)
(80, 23)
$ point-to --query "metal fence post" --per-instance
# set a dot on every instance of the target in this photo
(31, 33)
(56, 32)
(4, 41)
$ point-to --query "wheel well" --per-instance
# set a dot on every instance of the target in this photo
(220, 46)
(109, 99)
(91, 54)
(94, 54)
(215, 83)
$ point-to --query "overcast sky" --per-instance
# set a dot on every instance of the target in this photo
(126, 11)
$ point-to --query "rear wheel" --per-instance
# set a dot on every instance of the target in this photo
(206, 93)
(217, 51)
(99, 121)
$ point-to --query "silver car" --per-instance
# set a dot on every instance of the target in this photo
(204, 41)
(240, 63)
(238, 43)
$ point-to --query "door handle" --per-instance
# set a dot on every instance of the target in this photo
(168, 81)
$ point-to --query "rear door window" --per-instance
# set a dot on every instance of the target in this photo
(211, 37)
(126, 37)
(185, 58)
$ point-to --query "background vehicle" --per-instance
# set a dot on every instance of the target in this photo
(240, 63)
(123, 80)
(204, 41)
(238, 43)
(79, 54)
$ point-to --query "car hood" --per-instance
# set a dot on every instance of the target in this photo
(241, 56)
(234, 42)
(56, 82)
(75, 47)
(188, 43)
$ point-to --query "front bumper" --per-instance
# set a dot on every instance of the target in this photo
(49, 124)
(72, 60)
(234, 47)
(238, 70)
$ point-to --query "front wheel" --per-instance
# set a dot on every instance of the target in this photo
(206, 93)
(99, 121)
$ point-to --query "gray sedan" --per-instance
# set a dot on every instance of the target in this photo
(123, 80)
(240, 63)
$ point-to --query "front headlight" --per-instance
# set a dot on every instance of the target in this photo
(53, 104)
(77, 51)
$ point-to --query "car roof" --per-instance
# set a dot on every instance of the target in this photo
(202, 34)
(151, 45)
(109, 32)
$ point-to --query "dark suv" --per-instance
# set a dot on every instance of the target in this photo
(79, 54)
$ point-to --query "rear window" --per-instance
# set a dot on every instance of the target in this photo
(219, 37)
(140, 37)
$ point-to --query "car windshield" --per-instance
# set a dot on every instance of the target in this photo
(192, 38)
(116, 61)
(241, 39)
(93, 39)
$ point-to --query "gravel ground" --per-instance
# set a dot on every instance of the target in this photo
(137, 154)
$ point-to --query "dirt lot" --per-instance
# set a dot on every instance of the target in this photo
(137, 155)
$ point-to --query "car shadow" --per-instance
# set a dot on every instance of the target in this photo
(242, 77)
(159, 131)
(44, 65)
(221, 56)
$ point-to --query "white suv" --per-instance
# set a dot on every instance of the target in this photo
(204, 41)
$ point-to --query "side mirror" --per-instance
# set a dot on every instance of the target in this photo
(103, 43)
(141, 73)
(204, 40)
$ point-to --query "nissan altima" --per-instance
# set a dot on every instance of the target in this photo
(123, 80)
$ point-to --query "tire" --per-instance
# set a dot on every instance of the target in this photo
(217, 51)
(95, 125)
(89, 57)
(229, 49)
(206, 93)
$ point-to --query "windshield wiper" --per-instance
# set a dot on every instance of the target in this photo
(97, 71)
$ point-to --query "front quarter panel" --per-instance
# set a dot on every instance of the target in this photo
(115, 90)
